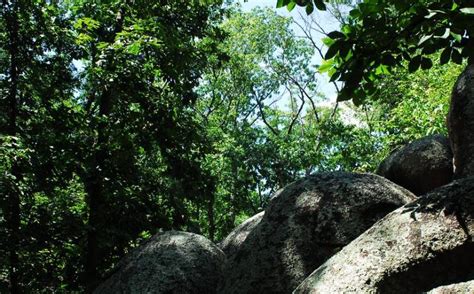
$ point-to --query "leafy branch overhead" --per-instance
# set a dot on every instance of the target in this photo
(382, 34)
(308, 4)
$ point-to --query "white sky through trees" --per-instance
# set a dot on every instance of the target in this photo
(328, 22)
(325, 20)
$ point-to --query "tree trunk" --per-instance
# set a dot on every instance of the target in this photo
(96, 191)
(210, 216)
(96, 195)
(13, 203)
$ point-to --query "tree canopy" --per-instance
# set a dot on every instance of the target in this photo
(382, 34)
(97, 106)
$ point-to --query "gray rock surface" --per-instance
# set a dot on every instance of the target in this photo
(309, 221)
(460, 288)
(418, 247)
(170, 262)
(234, 240)
(461, 123)
(420, 166)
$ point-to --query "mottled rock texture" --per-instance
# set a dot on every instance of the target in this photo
(420, 166)
(461, 123)
(460, 288)
(418, 247)
(309, 221)
(234, 240)
(170, 262)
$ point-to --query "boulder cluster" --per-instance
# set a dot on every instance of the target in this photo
(409, 229)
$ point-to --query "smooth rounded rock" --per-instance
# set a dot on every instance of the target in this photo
(234, 240)
(420, 166)
(170, 262)
(417, 248)
(309, 221)
(466, 287)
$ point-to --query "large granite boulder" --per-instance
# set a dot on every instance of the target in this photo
(461, 123)
(466, 287)
(417, 248)
(170, 262)
(309, 221)
(420, 166)
(234, 240)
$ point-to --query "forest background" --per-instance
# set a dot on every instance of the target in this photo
(123, 118)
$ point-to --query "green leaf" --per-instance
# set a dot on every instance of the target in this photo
(309, 9)
(426, 63)
(456, 37)
(345, 94)
(102, 45)
(388, 59)
(358, 97)
(334, 75)
(282, 3)
(320, 4)
(134, 48)
(424, 39)
(134, 107)
(445, 35)
(414, 64)
(328, 41)
(432, 13)
(467, 10)
(333, 50)
(336, 35)
(355, 13)
(83, 39)
(345, 49)
(429, 49)
(456, 56)
(346, 30)
(445, 56)
(291, 6)
(382, 70)
(327, 65)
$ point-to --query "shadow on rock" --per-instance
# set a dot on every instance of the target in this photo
(423, 245)
(309, 221)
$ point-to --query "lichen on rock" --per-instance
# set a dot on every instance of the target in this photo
(418, 247)
(309, 221)
(169, 262)
(231, 244)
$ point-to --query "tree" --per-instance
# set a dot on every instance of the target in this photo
(264, 117)
(96, 158)
(141, 65)
(34, 79)
(407, 106)
(236, 108)
(382, 34)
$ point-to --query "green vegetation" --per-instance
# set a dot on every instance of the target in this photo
(122, 118)
(382, 34)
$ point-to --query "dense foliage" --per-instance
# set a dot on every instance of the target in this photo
(122, 118)
(382, 34)
(98, 133)
(408, 106)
